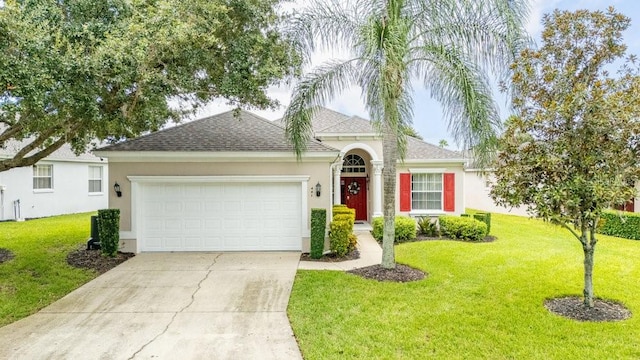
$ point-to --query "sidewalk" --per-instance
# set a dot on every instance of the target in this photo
(370, 254)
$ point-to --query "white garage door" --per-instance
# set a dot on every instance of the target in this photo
(220, 216)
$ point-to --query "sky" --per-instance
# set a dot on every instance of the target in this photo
(428, 116)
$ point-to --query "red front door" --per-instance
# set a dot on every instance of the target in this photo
(354, 195)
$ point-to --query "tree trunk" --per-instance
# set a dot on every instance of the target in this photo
(588, 247)
(390, 155)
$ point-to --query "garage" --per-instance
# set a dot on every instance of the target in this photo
(221, 214)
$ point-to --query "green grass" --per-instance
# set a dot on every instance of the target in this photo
(39, 274)
(479, 301)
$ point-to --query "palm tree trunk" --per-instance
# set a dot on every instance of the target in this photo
(390, 155)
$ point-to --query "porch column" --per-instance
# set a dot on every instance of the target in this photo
(337, 171)
(377, 187)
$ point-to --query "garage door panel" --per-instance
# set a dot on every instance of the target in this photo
(221, 217)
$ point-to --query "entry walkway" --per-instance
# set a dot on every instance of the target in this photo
(370, 254)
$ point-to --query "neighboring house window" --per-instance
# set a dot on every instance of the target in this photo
(424, 192)
(353, 164)
(95, 179)
(42, 177)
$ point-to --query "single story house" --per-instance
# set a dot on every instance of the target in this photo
(233, 183)
(61, 183)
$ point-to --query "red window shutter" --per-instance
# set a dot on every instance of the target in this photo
(405, 192)
(449, 180)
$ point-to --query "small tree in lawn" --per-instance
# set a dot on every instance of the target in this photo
(573, 149)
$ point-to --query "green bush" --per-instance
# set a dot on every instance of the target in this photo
(464, 228)
(109, 231)
(485, 218)
(344, 210)
(318, 226)
(347, 218)
(353, 241)
(621, 224)
(339, 231)
(428, 227)
(405, 229)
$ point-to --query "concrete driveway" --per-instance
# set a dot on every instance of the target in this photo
(168, 306)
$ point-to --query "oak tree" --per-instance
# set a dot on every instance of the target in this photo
(74, 71)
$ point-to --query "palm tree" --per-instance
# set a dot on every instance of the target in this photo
(449, 45)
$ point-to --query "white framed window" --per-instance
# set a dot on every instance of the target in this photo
(426, 191)
(95, 179)
(42, 177)
(353, 164)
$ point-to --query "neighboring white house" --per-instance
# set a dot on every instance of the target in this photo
(476, 189)
(61, 183)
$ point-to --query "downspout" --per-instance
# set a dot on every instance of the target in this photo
(337, 161)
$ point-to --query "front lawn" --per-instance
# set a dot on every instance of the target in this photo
(479, 301)
(38, 274)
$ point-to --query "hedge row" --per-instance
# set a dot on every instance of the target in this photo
(464, 228)
(484, 217)
(405, 229)
(621, 224)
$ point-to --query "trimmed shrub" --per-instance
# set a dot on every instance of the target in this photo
(109, 231)
(347, 218)
(405, 229)
(485, 218)
(621, 224)
(463, 228)
(353, 241)
(428, 226)
(344, 210)
(378, 227)
(318, 226)
(339, 231)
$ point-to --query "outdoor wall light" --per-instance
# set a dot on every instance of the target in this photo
(116, 188)
(318, 189)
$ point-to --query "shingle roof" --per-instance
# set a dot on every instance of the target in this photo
(332, 122)
(327, 121)
(218, 133)
(420, 150)
(64, 153)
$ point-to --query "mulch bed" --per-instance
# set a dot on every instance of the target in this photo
(5, 255)
(93, 259)
(401, 273)
(332, 257)
(572, 307)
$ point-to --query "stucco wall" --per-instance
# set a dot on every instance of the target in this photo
(119, 171)
(70, 193)
(477, 195)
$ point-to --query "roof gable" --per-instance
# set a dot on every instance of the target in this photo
(225, 132)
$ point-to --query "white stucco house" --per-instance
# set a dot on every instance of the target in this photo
(226, 183)
(477, 186)
(61, 183)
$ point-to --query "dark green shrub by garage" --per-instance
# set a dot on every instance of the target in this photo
(405, 229)
(485, 218)
(621, 224)
(318, 225)
(464, 228)
(109, 231)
